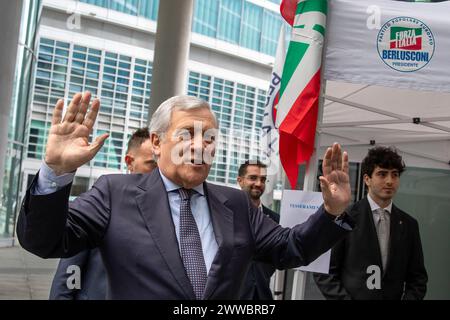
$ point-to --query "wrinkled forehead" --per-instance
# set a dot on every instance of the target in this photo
(188, 118)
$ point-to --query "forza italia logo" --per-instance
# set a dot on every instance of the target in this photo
(405, 44)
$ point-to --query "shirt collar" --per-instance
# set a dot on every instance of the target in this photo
(374, 206)
(171, 186)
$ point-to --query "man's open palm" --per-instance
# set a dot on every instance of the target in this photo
(68, 145)
(335, 182)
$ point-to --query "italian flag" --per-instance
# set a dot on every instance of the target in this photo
(300, 83)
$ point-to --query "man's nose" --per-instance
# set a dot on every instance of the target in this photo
(198, 141)
(389, 179)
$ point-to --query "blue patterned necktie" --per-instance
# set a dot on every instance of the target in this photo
(191, 246)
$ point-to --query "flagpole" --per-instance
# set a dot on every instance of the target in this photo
(279, 277)
(300, 277)
(300, 98)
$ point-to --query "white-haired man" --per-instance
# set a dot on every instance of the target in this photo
(168, 234)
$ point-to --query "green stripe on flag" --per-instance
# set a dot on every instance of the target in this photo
(394, 30)
(312, 5)
(319, 28)
(294, 55)
(316, 27)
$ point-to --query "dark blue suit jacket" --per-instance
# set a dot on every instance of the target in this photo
(93, 277)
(128, 218)
(256, 285)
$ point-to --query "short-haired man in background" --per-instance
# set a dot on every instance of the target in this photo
(252, 177)
(139, 159)
(385, 244)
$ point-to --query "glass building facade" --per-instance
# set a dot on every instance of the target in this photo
(238, 22)
(239, 109)
(10, 195)
(121, 82)
(123, 85)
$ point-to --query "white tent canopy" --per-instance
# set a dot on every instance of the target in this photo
(355, 115)
(363, 111)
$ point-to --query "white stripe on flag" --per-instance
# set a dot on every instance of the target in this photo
(310, 19)
(303, 74)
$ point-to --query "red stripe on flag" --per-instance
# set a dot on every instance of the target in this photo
(298, 130)
(275, 107)
(287, 10)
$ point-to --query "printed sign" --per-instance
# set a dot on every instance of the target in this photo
(405, 44)
(296, 207)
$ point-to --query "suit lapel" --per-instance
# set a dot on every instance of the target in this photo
(153, 204)
(222, 220)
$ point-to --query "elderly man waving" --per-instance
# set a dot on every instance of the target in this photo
(168, 234)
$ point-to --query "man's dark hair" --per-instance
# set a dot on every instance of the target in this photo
(138, 138)
(243, 168)
(383, 157)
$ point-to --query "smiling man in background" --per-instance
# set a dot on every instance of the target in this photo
(252, 178)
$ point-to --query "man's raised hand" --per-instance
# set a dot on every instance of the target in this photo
(335, 182)
(68, 145)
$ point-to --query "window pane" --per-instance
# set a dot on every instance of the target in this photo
(149, 9)
(205, 17)
(230, 12)
(270, 32)
(251, 26)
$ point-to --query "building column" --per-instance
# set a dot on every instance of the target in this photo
(10, 15)
(171, 51)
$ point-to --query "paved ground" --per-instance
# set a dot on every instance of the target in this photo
(24, 276)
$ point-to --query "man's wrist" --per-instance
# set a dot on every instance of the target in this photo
(329, 212)
(343, 220)
(54, 178)
(335, 217)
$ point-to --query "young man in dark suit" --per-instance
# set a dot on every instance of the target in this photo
(168, 234)
(252, 177)
(382, 258)
(92, 285)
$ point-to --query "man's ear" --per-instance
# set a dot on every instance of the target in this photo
(156, 144)
(240, 181)
(366, 179)
(129, 161)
